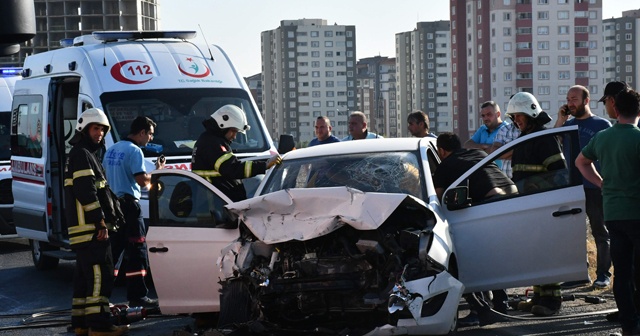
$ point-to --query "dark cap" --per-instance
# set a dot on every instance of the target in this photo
(612, 89)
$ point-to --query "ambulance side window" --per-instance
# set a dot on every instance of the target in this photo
(26, 126)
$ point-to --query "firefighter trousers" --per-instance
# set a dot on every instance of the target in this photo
(92, 286)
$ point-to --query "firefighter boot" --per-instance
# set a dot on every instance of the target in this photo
(526, 305)
(113, 331)
(550, 301)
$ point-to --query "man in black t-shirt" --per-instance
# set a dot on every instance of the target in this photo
(484, 183)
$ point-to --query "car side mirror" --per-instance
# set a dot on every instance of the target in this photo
(457, 198)
(286, 144)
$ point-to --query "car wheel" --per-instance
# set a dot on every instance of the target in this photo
(235, 304)
(40, 261)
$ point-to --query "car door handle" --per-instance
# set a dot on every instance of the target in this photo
(573, 211)
(158, 249)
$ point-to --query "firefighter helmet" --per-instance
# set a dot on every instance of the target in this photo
(93, 116)
(524, 102)
(231, 116)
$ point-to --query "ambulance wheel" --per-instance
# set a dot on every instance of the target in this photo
(235, 304)
(40, 261)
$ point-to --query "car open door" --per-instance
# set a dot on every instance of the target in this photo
(189, 226)
(533, 237)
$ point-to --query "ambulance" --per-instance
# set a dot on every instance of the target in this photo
(8, 78)
(158, 74)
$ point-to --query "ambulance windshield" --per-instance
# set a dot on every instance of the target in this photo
(178, 114)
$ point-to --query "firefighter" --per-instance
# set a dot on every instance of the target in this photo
(91, 212)
(531, 162)
(213, 158)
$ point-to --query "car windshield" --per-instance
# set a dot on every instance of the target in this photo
(178, 114)
(388, 172)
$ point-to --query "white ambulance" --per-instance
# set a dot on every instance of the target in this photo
(157, 74)
(8, 78)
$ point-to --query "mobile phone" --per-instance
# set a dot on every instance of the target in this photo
(565, 110)
(161, 159)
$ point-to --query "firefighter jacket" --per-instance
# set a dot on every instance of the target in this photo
(213, 159)
(88, 200)
(537, 156)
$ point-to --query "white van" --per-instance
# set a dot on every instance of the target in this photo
(157, 74)
(8, 78)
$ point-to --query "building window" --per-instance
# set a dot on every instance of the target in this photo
(543, 75)
(543, 15)
(543, 45)
(563, 59)
(543, 30)
(506, 46)
(543, 60)
(563, 45)
(507, 76)
(328, 44)
(315, 54)
(564, 75)
(544, 90)
(563, 15)
(315, 44)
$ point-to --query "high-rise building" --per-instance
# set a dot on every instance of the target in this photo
(255, 86)
(538, 46)
(621, 53)
(423, 74)
(62, 19)
(308, 70)
(376, 85)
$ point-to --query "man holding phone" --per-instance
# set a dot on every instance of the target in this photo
(588, 125)
(126, 173)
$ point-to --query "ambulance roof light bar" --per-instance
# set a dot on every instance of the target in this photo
(137, 35)
(4, 72)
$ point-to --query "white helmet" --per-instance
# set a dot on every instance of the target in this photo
(524, 102)
(231, 116)
(90, 116)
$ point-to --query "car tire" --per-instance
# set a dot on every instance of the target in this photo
(235, 304)
(40, 261)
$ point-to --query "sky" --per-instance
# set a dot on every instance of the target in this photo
(235, 25)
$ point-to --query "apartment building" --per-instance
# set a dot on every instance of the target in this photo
(308, 70)
(61, 19)
(376, 85)
(621, 54)
(539, 46)
(255, 86)
(424, 75)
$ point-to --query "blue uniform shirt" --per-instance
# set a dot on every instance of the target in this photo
(483, 136)
(122, 162)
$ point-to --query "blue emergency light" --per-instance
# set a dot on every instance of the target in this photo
(7, 72)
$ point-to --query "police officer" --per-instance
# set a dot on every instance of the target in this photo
(126, 172)
(529, 161)
(213, 158)
(90, 213)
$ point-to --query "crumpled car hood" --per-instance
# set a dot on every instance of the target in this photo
(303, 214)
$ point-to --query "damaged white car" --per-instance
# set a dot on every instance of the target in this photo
(352, 235)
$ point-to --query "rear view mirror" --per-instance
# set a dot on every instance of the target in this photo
(286, 144)
(457, 198)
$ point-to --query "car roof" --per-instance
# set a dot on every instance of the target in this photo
(359, 146)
